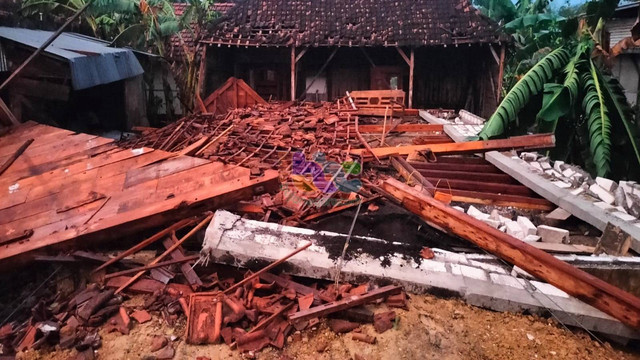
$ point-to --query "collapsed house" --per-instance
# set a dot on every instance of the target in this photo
(253, 221)
(441, 53)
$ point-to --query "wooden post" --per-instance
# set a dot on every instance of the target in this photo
(500, 74)
(202, 71)
(293, 73)
(411, 64)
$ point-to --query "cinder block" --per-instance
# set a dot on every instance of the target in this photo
(473, 211)
(531, 238)
(558, 166)
(603, 194)
(469, 271)
(506, 280)
(514, 229)
(561, 184)
(550, 234)
(527, 226)
(607, 184)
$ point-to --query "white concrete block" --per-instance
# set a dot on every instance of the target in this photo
(434, 266)
(531, 238)
(536, 166)
(550, 234)
(603, 205)
(577, 191)
(549, 289)
(469, 271)
(568, 173)
(627, 186)
(553, 173)
(527, 226)
(624, 216)
(558, 166)
(493, 223)
(529, 156)
(545, 165)
(506, 280)
(473, 211)
(514, 229)
(561, 184)
(459, 208)
(608, 185)
(603, 194)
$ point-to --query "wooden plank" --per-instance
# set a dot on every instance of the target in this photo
(564, 248)
(178, 255)
(146, 242)
(478, 168)
(162, 169)
(349, 302)
(541, 141)
(466, 175)
(146, 216)
(430, 128)
(183, 260)
(593, 291)
(483, 186)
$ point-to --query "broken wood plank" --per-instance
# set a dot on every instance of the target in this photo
(167, 252)
(593, 291)
(564, 248)
(349, 302)
(178, 254)
(14, 156)
(614, 241)
(148, 241)
(185, 259)
(539, 141)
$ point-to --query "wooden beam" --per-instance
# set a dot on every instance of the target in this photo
(593, 291)
(14, 156)
(404, 55)
(8, 115)
(538, 141)
(293, 73)
(411, 66)
(154, 266)
(495, 55)
(500, 73)
(364, 52)
(301, 54)
(315, 77)
(348, 302)
(202, 72)
(167, 252)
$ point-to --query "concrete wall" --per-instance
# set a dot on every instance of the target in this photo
(626, 67)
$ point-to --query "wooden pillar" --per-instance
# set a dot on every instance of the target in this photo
(500, 73)
(411, 65)
(293, 73)
(202, 71)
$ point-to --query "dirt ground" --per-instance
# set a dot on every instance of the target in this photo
(432, 328)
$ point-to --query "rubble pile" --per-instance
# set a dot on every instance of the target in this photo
(258, 310)
(620, 199)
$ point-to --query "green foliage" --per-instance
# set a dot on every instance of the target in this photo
(531, 84)
(598, 122)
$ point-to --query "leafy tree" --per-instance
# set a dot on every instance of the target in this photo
(581, 104)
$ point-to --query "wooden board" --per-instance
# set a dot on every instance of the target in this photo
(71, 188)
(234, 93)
(539, 141)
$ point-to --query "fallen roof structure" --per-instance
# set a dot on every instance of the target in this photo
(69, 187)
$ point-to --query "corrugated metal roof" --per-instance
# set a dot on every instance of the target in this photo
(91, 60)
(619, 29)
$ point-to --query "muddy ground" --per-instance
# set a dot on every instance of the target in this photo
(432, 328)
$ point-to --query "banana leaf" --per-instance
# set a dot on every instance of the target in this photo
(598, 122)
(531, 84)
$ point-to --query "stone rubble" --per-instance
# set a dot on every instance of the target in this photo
(620, 199)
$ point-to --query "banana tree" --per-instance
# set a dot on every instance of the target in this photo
(582, 105)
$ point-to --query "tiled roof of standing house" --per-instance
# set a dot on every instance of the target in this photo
(176, 49)
(354, 23)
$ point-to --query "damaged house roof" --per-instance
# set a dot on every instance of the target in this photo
(354, 23)
(92, 61)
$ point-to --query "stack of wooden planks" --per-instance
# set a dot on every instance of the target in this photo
(68, 187)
